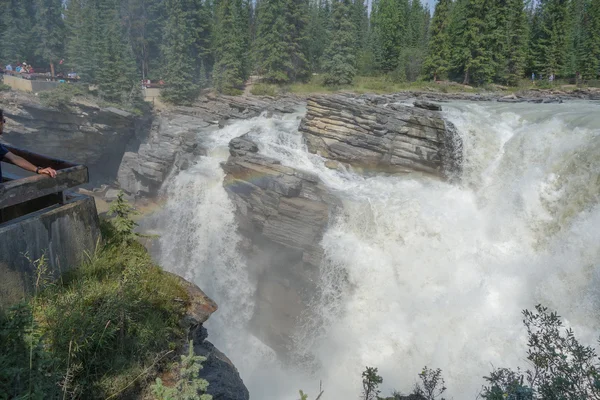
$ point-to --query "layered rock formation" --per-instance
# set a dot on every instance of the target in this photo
(171, 143)
(394, 139)
(282, 212)
(223, 377)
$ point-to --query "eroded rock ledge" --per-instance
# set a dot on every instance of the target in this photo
(282, 213)
(393, 139)
(224, 379)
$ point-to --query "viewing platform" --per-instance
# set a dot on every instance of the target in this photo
(40, 216)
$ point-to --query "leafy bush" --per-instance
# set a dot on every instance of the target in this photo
(4, 88)
(97, 332)
(232, 91)
(432, 384)
(263, 89)
(62, 96)
(371, 381)
(189, 384)
(562, 368)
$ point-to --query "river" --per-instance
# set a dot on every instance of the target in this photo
(417, 271)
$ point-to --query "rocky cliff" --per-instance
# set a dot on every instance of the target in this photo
(86, 133)
(369, 137)
(282, 212)
(223, 377)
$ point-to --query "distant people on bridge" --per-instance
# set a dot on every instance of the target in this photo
(19, 161)
(9, 67)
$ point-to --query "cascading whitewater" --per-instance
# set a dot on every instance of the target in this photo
(417, 271)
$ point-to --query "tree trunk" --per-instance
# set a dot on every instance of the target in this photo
(466, 81)
(52, 69)
(435, 77)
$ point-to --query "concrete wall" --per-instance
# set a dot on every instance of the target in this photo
(63, 232)
(152, 95)
(25, 85)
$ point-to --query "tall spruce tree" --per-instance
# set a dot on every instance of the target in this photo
(551, 37)
(589, 57)
(50, 31)
(178, 50)
(318, 33)
(17, 43)
(390, 25)
(281, 40)
(437, 61)
(231, 43)
(340, 64)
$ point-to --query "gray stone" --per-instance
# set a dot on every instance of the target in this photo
(393, 139)
(282, 214)
(426, 105)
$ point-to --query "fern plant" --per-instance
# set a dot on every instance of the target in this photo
(122, 222)
(190, 386)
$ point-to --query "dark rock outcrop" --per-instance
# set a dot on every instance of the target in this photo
(393, 139)
(85, 134)
(282, 212)
(223, 377)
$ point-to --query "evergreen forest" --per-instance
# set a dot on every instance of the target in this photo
(194, 44)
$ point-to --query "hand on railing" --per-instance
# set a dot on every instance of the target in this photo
(47, 171)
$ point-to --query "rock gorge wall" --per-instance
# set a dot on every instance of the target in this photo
(282, 212)
(395, 139)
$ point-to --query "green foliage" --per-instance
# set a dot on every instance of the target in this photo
(190, 385)
(97, 331)
(432, 385)
(231, 42)
(263, 89)
(371, 381)
(62, 96)
(340, 64)
(123, 225)
(436, 63)
(589, 53)
(561, 367)
(4, 88)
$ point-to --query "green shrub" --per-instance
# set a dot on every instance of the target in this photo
(264, 89)
(4, 88)
(232, 91)
(371, 381)
(62, 96)
(100, 330)
(189, 384)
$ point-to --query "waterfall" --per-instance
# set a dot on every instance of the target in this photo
(417, 271)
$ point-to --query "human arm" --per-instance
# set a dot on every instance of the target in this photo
(26, 165)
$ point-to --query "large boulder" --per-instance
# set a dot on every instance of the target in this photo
(373, 138)
(282, 213)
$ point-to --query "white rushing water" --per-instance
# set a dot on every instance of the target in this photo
(436, 273)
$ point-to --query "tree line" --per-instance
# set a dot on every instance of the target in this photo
(191, 44)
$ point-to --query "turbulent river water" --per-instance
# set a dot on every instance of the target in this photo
(435, 273)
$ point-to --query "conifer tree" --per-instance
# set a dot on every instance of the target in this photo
(50, 31)
(514, 37)
(17, 42)
(389, 23)
(551, 38)
(230, 45)
(178, 50)
(340, 56)
(589, 58)
(436, 63)
(318, 33)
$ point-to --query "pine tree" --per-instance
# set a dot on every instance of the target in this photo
(341, 55)
(514, 36)
(551, 37)
(389, 23)
(318, 33)
(50, 31)
(178, 50)
(117, 75)
(230, 45)
(436, 63)
(589, 58)
(17, 39)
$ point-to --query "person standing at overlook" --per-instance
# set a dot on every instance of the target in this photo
(17, 160)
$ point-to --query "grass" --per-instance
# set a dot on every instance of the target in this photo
(98, 332)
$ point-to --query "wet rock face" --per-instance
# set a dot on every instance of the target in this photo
(393, 139)
(282, 213)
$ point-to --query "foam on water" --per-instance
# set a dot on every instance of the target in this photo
(417, 271)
